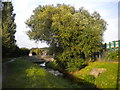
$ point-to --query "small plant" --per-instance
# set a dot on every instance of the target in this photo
(53, 65)
(90, 78)
(112, 56)
(88, 81)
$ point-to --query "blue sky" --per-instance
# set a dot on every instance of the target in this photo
(108, 9)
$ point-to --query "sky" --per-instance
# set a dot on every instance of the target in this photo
(108, 9)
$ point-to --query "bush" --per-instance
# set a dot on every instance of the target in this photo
(90, 79)
(75, 64)
(24, 51)
(71, 61)
(13, 51)
(112, 55)
(53, 65)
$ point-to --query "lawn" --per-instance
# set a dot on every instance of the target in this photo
(24, 74)
(108, 79)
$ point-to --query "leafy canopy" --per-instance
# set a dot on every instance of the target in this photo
(76, 34)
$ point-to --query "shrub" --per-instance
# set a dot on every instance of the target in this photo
(75, 64)
(54, 65)
(112, 55)
(24, 51)
(71, 61)
(90, 79)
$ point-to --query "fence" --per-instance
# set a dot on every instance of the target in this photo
(111, 46)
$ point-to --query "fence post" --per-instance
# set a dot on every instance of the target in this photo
(110, 45)
(119, 45)
(114, 45)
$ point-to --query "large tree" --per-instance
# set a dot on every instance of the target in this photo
(74, 35)
(8, 28)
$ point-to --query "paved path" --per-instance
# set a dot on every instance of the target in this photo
(34, 59)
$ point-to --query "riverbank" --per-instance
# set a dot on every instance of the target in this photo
(22, 73)
(108, 79)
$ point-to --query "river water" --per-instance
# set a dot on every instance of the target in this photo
(54, 72)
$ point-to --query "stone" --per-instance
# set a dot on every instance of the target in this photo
(97, 71)
(56, 73)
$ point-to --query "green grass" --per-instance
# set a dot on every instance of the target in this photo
(24, 74)
(108, 79)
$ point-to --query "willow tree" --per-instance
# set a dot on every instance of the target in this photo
(74, 35)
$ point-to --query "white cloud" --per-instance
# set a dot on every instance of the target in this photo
(111, 33)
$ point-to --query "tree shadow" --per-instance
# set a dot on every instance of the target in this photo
(81, 82)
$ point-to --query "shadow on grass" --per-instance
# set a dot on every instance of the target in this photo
(24, 74)
(83, 83)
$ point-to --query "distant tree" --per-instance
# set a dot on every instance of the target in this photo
(73, 35)
(8, 29)
(24, 51)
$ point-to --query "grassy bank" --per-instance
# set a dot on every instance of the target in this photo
(24, 74)
(108, 79)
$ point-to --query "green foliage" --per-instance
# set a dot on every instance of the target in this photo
(54, 50)
(75, 64)
(8, 29)
(8, 24)
(24, 51)
(90, 79)
(71, 60)
(112, 55)
(66, 29)
(54, 65)
(13, 51)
